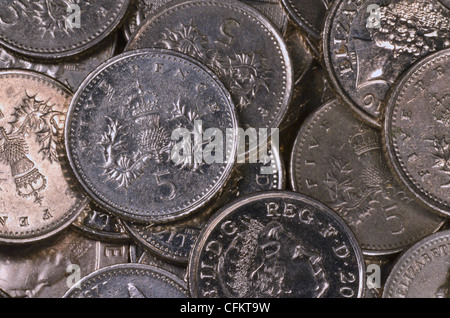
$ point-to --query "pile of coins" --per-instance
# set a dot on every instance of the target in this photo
(224, 148)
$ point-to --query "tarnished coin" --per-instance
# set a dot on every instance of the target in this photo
(174, 241)
(235, 41)
(150, 259)
(276, 244)
(37, 196)
(417, 131)
(142, 9)
(368, 44)
(338, 160)
(50, 268)
(120, 135)
(61, 28)
(423, 271)
(129, 281)
(70, 73)
(99, 224)
(309, 14)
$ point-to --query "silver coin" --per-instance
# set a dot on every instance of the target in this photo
(48, 269)
(152, 260)
(235, 41)
(99, 224)
(129, 281)
(62, 28)
(3, 294)
(309, 14)
(276, 244)
(118, 137)
(417, 132)
(368, 44)
(70, 73)
(423, 271)
(142, 9)
(338, 160)
(174, 241)
(39, 196)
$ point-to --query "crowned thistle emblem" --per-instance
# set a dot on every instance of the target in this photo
(31, 117)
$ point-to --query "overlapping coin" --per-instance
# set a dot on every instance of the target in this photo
(119, 138)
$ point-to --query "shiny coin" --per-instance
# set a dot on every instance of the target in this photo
(423, 271)
(308, 14)
(38, 197)
(150, 259)
(61, 28)
(417, 132)
(120, 129)
(276, 244)
(142, 9)
(70, 73)
(50, 268)
(129, 281)
(99, 224)
(338, 160)
(368, 44)
(235, 41)
(174, 241)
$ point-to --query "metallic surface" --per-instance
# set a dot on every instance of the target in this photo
(423, 271)
(70, 73)
(54, 37)
(122, 155)
(235, 41)
(417, 132)
(338, 160)
(130, 281)
(276, 244)
(96, 223)
(38, 196)
(364, 60)
(48, 269)
(174, 241)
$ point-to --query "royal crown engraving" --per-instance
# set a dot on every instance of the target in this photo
(138, 138)
(355, 199)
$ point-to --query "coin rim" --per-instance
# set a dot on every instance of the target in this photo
(332, 77)
(75, 211)
(388, 146)
(48, 54)
(124, 213)
(229, 208)
(284, 100)
(129, 266)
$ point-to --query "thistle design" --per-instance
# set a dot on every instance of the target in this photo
(441, 155)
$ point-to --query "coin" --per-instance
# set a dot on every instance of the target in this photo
(416, 132)
(62, 28)
(308, 14)
(423, 271)
(149, 259)
(142, 9)
(174, 241)
(99, 224)
(368, 44)
(338, 160)
(276, 244)
(235, 41)
(69, 73)
(48, 269)
(38, 197)
(129, 281)
(118, 137)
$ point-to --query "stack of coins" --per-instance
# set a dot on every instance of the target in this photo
(224, 148)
